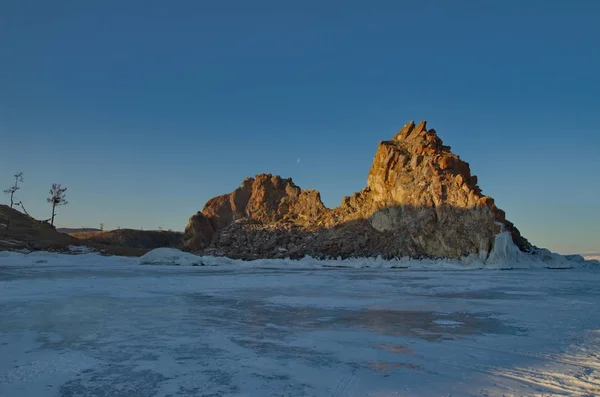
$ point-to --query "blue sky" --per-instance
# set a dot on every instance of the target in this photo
(146, 109)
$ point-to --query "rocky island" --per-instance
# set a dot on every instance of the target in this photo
(421, 200)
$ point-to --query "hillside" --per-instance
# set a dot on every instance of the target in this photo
(140, 239)
(27, 233)
(68, 230)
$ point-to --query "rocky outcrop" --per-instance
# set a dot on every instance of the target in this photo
(265, 199)
(198, 233)
(418, 189)
(420, 201)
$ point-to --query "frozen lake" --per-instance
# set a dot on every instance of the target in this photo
(91, 326)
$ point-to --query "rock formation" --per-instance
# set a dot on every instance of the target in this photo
(420, 201)
(266, 200)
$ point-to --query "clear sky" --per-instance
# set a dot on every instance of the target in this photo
(146, 109)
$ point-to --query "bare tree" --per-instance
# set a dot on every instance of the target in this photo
(57, 198)
(13, 189)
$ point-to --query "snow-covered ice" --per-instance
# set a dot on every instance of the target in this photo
(87, 325)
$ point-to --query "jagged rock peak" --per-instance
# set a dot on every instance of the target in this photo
(411, 131)
(415, 169)
(418, 136)
(405, 131)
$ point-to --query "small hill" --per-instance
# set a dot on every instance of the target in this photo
(68, 230)
(27, 232)
(140, 239)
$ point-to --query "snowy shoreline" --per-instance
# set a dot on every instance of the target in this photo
(505, 255)
(504, 260)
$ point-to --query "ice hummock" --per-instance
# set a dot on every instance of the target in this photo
(170, 256)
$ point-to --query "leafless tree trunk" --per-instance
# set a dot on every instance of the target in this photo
(57, 198)
(18, 178)
(53, 213)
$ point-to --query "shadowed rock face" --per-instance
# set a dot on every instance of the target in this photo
(420, 200)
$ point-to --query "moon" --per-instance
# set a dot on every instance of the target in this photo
(298, 160)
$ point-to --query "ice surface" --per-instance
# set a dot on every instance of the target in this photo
(88, 325)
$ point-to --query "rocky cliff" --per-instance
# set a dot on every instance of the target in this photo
(420, 201)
